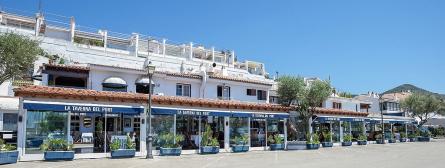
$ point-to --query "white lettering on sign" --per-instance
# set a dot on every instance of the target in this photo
(88, 108)
(190, 112)
(263, 115)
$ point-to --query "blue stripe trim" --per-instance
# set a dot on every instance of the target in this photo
(82, 108)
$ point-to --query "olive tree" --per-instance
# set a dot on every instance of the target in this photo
(17, 55)
(423, 106)
(305, 98)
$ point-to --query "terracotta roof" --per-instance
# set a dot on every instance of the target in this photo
(240, 79)
(340, 112)
(68, 68)
(84, 94)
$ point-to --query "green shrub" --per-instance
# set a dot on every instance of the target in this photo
(6, 147)
(362, 137)
(56, 144)
(402, 135)
(276, 139)
(347, 138)
(378, 136)
(208, 139)
(115, 145)
(130, 144)
(327, 136)
(169, 140)
(412, 135)
(313, 139)
(241, 140)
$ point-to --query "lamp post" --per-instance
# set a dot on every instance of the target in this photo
(381, 115)
(150, 68)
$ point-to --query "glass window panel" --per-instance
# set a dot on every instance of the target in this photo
(239, 127)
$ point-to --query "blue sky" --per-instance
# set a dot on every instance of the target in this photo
(362, 45)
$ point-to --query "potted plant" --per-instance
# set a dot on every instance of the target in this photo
(379, 139)
(8, 154)
(241, 144)
(209, 144)
(362, 139)
(171, 144)
(313, 142)
(391, 138)
(402, 137)
(276, 142)
(412, 137)
(327, 140)
(347, 140)
(57, 149)
(424, 136)
(117, 152)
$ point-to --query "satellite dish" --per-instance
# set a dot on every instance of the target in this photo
(214, 65)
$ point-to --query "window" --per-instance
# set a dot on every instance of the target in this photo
(127, 122)
(251, 92)
(336, 105)
(183, 90)
(262, 95)
(223, 92)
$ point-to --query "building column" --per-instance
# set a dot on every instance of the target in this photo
(200, 134)
(232, 58)
(285, 132)
(265, 135)
(21, 129)
(226, 133)
(341, 131)
(163, 46)
(406, 129)
(136, 43)
(72, 28)
(143, 133)
(310, 126)
(213, 54)
(364, 128)
(174, 128)
(330, 129)
(191, 51)
(39, 22)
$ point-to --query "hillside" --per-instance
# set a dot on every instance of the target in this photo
(413, 88)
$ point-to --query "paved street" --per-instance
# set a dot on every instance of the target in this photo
(406, 155)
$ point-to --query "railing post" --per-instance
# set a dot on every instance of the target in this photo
(163, 46)
(136, 43)
(72, 28)
(213, 54)
(39, 21)
(191, 51)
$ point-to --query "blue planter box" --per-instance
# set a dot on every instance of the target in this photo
(274, 147)
(58, 155)
(312, 146)
(402, 139)
(346, 144)
(362, 142)
(412, 139)
(391, 141)
(240, 148)
(123, 153)
(380, 141)
(327, 144)
(170, 151)
(423, 139)
(209, 150)
(8, 157)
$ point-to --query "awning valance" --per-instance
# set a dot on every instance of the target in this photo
(197, 112)
(88, 108)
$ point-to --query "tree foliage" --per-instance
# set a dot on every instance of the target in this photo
(17, 55)
(290, 89)
(423, 106)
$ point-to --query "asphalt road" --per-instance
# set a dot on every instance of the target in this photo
(406, 155)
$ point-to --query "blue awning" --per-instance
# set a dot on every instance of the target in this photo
(82, 108)
(327, 119)
(352, 119)
(195, 112)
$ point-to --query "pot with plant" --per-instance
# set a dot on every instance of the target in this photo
(241, 144)
(209, 144)
(171, 145)
(412, 137)
(392, 138)
(347, 140)
(379, 139)
(402, 137)
(424, 136)
(362, 139)
(8, 153)
(327, 140)
(275, 142)
(313, 142)
(57, 149)
(127, 152)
